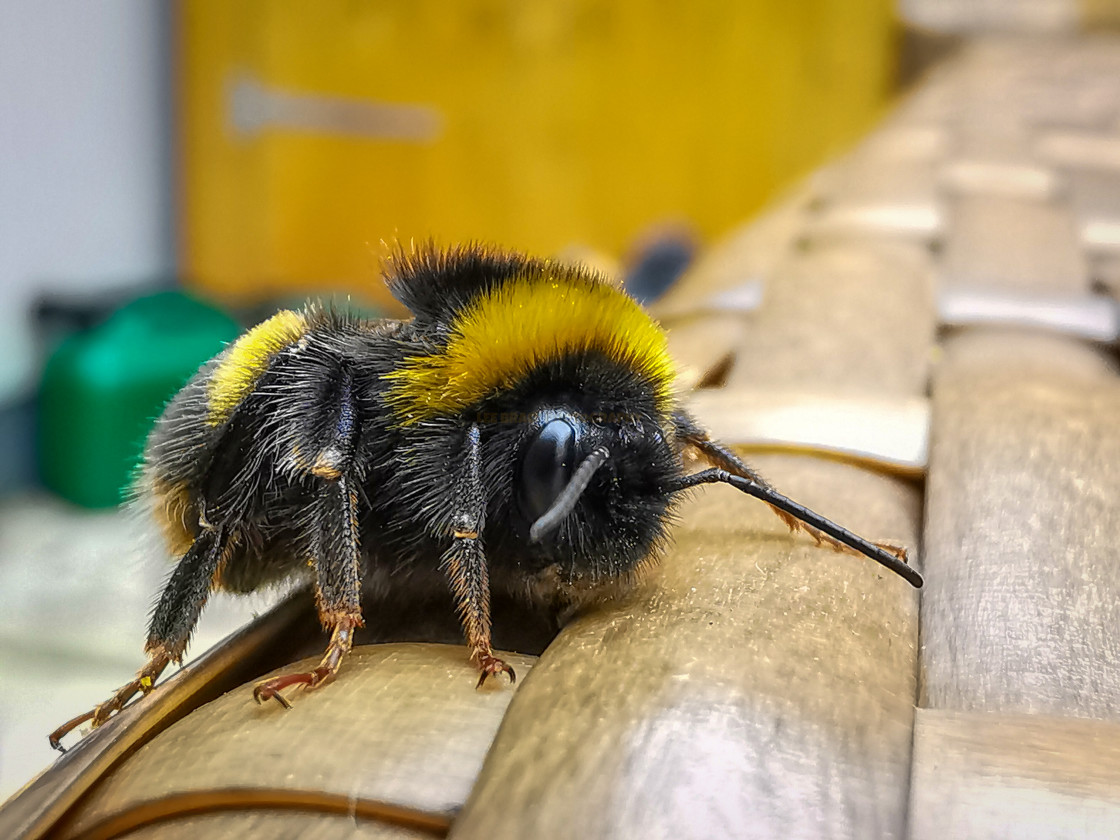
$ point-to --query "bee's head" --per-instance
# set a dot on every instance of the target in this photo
(589, 492)
(572, 386)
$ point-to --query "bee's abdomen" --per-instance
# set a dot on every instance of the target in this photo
(180, 446)
(247, 359)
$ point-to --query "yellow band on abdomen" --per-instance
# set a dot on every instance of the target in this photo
(247, 359)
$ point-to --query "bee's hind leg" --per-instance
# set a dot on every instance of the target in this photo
(174, 618)
(337, 561)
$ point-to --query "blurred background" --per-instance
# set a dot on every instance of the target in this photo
(172, 172)
(255, 153)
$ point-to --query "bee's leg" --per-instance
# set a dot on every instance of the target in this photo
(172, 622)
(690, 433)
(338, 588)
(465, 562)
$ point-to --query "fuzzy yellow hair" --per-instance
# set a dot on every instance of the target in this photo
(502, 335)
(247, 359)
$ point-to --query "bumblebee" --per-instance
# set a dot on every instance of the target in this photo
(520, 433)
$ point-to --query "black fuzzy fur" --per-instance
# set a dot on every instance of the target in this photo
(436, 284)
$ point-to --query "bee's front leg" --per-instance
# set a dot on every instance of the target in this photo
(465, 565)
(465, 562)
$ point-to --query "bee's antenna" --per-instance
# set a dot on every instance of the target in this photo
(568, 497)
(880, 554)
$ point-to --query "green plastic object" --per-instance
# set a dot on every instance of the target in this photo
(103, 388)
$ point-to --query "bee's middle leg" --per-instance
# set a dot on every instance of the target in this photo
(337, 561)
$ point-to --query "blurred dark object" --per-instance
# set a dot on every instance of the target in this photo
(922, 49)
(58, 314)
(657, 261)
(17, 430)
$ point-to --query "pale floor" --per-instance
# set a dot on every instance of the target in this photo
(76, 588)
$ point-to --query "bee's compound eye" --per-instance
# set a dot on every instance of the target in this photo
(546, 467)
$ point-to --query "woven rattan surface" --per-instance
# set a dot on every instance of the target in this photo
(759, 685)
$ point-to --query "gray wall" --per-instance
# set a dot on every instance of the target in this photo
(85, 176)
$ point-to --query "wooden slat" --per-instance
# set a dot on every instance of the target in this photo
(880, 197)
(1009, 243)
(403, 726)
(1022, 604)
(992, 776)
(1096, 203)
(276, 825)
(884, 433)
(1081, 150)
(843, 318)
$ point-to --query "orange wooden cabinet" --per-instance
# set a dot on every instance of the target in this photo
(310, 132)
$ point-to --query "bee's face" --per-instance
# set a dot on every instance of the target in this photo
(597, 485)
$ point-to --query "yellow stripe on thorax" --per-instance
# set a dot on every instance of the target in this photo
(501, 336)
(247, 359)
